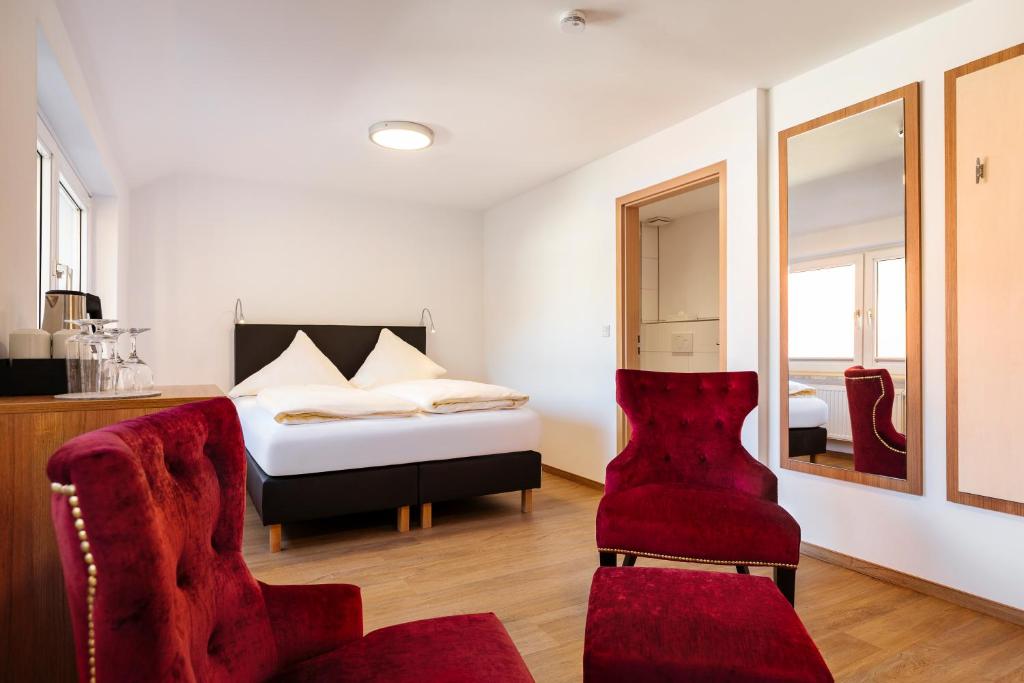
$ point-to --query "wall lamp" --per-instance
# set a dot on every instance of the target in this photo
(239, 313)
(426, 315)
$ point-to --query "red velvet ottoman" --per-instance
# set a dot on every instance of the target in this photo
(646, 624)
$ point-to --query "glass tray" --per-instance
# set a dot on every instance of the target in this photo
(107, 395)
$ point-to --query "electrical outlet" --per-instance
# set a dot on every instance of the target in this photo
(682, 342)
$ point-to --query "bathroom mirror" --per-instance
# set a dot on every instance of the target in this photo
(850, 319)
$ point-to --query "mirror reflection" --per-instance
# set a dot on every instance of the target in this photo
(847, 313)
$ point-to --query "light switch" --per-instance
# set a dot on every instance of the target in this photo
(682, 342)
(606, 330)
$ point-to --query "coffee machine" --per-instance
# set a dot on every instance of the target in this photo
(60, 305)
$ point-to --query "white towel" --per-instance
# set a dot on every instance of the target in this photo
(301, 404)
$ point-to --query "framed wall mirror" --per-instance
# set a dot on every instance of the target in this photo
(850, 293)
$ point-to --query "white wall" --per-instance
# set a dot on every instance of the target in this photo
(17, 167)
(686, 269)
(66, 99)
(21, 21)
(688, 273)
(549, 265)
(969, 549)
(848, 238)
(656, 347)
(295, 256)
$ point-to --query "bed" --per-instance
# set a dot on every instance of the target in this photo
(313, 471)
(808, 416)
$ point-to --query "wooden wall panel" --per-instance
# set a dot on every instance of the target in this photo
(985, 281)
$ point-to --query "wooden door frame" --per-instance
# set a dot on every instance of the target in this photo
(953, 492)
(910, 94)
(628, 255)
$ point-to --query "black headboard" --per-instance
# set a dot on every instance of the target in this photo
(346, 345)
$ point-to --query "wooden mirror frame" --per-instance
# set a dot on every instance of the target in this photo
(953, 491)
(910, 94)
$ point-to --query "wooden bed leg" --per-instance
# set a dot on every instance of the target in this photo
(403, 518)
(426, 515)
(275, 538)
(526, 500)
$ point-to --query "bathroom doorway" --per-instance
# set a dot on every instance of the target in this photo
(671, 275)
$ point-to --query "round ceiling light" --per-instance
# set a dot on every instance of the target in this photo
(404, 135)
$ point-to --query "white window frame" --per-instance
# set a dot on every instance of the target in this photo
(835, 364)
(864, 305)
(56, 171)
(871, 259)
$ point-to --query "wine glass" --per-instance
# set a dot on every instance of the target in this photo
(112, 360)
(133, 373)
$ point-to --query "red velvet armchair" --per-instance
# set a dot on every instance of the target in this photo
(149, 516)
(877, 447)
(684, 488)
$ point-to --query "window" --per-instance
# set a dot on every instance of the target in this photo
(890, 310)
(62, 210)
(839, 316)
(820, 324)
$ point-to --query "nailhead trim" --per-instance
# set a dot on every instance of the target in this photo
(677, 558)
(68, 491)
(874, 413)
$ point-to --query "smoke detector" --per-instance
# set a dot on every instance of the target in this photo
(573, 21)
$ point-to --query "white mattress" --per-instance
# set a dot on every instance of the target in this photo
(807, 411)
(284, 450)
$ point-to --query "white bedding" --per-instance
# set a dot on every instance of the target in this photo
(308, 403)
(453, 395)
(283, 450)
(807, 411)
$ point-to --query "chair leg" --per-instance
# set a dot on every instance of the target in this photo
(275, 537)
(608, 559)
(628, 560)
(403, 518)
(742, 569)
(426, 515)
(526, 500)
(785, 579)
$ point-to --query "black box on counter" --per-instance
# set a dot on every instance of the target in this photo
(33, 377)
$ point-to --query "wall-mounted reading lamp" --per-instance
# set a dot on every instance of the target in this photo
(239, 313)
(427, 315)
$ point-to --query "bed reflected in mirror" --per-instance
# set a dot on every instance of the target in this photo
(846, 310)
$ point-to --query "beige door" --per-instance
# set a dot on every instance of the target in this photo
(990, 280)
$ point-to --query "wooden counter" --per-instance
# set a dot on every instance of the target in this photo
(35, 627)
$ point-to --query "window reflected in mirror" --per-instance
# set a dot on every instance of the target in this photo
(845, 291)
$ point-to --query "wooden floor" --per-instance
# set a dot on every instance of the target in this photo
(534, 572)
(830, 459)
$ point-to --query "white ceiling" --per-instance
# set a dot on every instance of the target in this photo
(285, 91)
(860, 141)
(694, 201)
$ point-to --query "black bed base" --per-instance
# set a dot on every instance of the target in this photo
(280, 500)
(807, 441)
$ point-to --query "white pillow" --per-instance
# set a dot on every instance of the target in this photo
(301, 363)
(392, 360)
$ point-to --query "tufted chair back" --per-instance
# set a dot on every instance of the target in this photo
(685, 429)
(154, 521)
(877, 447)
